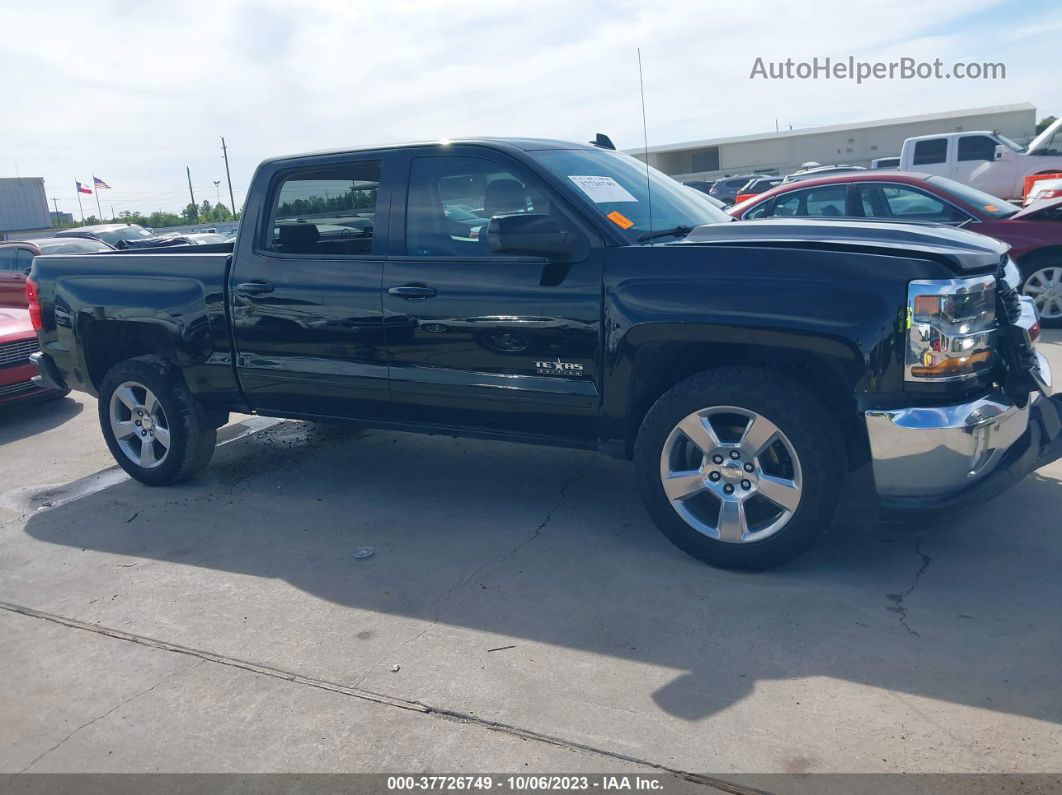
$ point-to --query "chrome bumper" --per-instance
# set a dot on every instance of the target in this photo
(932, 451)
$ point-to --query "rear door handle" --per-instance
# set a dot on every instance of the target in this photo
(412, 292)
(255, 288)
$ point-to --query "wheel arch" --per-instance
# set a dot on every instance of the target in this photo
(106, 342)
(1039, 253)
(833, 370)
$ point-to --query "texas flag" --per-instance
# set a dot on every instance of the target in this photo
(81, 188)
(99, 183)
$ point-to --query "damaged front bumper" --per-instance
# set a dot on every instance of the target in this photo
(942, 458)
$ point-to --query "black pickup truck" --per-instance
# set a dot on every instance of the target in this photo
(557, 293)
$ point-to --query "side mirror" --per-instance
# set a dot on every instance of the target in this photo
(1003, 152)
(527, 233)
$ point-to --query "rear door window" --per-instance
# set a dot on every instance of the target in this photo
(826, 201)
(326, 211)
(7, 257)
(903, 203)
(931, 151)
(23, 260)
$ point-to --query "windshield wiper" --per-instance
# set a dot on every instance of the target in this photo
(677, 231)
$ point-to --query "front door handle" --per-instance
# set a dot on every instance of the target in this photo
(412, 292)
(255, 288)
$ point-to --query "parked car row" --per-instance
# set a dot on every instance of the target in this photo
(982, 159)
(1034, 233)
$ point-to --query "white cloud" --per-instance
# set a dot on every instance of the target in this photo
(135, 94)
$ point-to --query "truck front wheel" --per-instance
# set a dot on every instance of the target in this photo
(155, 429)
(740, 467)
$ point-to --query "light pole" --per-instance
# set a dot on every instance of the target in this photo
(217, 189)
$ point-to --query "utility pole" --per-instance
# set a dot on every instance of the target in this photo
(55, 204)
(190, 193)
(225, 155)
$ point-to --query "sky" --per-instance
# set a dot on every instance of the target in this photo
(134, 93)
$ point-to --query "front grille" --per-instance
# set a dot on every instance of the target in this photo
(17, 352)
(1009, 298)
(16, 389)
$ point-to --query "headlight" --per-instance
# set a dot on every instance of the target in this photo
(951, 325)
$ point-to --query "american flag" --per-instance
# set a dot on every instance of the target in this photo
(99, 183)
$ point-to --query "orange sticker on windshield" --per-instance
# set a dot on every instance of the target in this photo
(991, 208)
(620, 220)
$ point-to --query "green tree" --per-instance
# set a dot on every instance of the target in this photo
(1043, 124)
(190, 213)
(220, 213)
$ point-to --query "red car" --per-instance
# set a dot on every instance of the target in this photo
(17, 341)
(1034, 233)
(16, 256)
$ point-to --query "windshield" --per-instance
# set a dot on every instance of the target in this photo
(985, 202)
(133, 232)
(616, 185)
(1005, 140)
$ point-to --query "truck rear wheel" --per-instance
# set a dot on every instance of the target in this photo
(740, 468)
(155, 429)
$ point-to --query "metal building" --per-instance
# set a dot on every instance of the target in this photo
(856, 144)
(23, 205)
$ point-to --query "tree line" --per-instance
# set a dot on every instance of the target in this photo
(205, 213)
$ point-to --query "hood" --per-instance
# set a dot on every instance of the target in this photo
(1040, 141)
(959, 248)
(15, 324)
(1026, 213)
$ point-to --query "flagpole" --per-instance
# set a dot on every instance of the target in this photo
(78, 192)
(97, 192)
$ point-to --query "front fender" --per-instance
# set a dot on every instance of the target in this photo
(743, 305)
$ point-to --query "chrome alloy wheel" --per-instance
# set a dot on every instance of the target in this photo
(1045, 288)
(140, 425)
(731, 474)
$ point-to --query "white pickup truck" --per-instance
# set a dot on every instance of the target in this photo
(985, 160)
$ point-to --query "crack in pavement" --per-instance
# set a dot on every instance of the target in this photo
(383, 700)
(464, 581)
(117, 706)
(898, 598)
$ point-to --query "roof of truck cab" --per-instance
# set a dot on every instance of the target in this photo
(526, 144)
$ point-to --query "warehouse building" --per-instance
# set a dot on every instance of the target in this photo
(856, 144)
(23, 206)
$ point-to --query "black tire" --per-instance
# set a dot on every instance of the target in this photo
(192, 436)
(1037, 262)
(797, 413)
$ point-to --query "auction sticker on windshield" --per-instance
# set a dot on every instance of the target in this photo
(603, 189)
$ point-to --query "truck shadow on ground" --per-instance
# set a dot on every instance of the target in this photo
(24, 419)
(553, 547)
